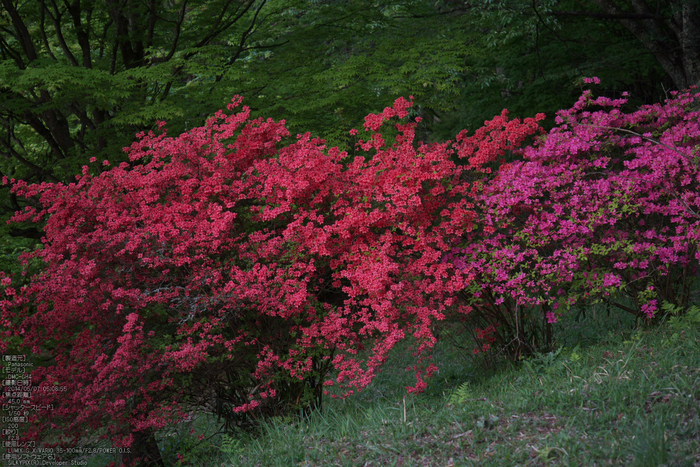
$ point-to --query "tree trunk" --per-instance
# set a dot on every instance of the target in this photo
(674, 39)
(690, 40)
(144, 451)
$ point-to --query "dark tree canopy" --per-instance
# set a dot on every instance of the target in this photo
(667, 29)
(79, 78)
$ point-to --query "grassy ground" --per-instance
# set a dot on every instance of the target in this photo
(611, 395)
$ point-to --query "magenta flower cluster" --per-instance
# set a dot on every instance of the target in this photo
(604, 207)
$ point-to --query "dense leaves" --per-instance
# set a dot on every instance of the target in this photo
(347, 58)
(79, 79)
(534, 56)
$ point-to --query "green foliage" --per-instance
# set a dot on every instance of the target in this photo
(680, 319)
(533, 60)
(543, 363)
(10, 249)
(463, 393)
(80, 80)
(341, 60)
(682, 322)
(230, 446)
(194, 439)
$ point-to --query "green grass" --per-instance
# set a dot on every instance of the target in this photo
(611, 395)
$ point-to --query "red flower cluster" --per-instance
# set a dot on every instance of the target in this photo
(232, 254)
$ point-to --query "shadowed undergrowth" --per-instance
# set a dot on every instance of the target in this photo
(611, 395)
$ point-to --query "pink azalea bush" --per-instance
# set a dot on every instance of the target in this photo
(604, 207)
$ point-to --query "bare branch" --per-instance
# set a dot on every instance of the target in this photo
(82, 35)
(599, 15)
(12, 53)
(42, 28)
(216, 30)
(22, 32)
(56, 20)
(246, 33)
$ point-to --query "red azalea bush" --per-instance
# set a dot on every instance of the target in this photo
(231, 265)
(605, 207)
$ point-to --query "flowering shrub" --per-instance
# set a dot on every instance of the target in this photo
(605, 206)
(236, 265)
(233, 264)
(492, 321)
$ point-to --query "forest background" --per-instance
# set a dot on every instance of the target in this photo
(79, 79)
